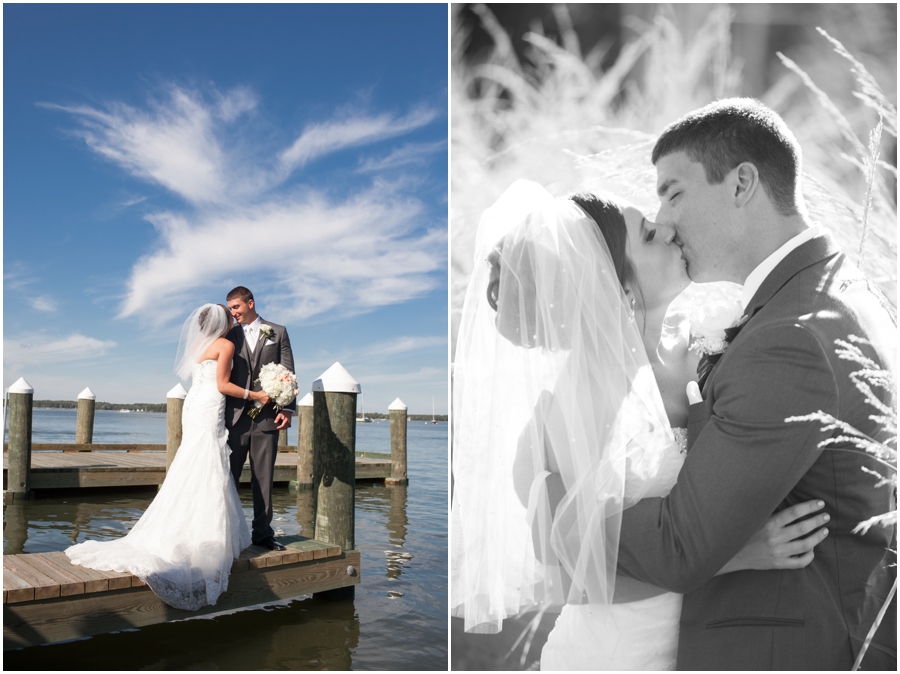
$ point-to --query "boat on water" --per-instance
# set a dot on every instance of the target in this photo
(433, 420)
(363, 419)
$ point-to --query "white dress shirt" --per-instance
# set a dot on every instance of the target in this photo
(758, 275)
(251, 333)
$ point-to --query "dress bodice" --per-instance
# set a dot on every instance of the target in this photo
(204, 372)
(670, 465)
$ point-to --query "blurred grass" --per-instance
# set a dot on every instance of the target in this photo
(556, 118)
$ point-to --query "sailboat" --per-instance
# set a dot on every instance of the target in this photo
(363, 419)
(433, 420)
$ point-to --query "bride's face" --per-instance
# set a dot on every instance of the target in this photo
(659, 266)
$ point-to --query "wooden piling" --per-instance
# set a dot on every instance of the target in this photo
(334, 435)
(282, 437)
(305, 462)
(84, 422)
(397, 412)
(18, 475)
(174, 407)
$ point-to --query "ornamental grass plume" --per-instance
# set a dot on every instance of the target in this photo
(880, 188)
(867, 380)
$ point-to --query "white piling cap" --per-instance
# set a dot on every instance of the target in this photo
(397, 405)
(336, 380)
(20, 386)
(87, 394)
(177, 392)
(306, 401)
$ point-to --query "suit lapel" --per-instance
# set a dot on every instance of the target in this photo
(812, 252)
(807, 254)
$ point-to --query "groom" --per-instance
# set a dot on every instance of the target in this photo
(728, 180)
(256, 343)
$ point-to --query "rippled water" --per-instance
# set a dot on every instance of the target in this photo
(397, 620)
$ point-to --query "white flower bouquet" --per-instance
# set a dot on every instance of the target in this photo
(720, 308)
(279, 383)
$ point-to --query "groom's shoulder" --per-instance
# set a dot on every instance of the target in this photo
(277, 327)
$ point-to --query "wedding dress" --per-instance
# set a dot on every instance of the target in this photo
(184, 544)
(551, 368)
(634, 636)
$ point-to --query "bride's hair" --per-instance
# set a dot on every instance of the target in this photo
(208, 316)
(610, 221)
(204, 326)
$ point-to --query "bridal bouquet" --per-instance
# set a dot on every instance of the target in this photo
(719, 308)
(279, 383)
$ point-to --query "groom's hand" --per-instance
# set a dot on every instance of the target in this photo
(283, 420)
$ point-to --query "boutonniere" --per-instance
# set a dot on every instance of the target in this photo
(715, 323)
(266, 331)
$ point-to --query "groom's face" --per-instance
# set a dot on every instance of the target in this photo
(243, 312)
(697, 215)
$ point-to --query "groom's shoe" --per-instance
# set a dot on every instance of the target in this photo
(271, 544)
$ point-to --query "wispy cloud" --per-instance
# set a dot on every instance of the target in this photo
(37, 350)
(172, 144)
(307, 252)
(319, 139)
(43, 303)
(411, 154)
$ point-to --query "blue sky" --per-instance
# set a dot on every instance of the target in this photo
(156, 156)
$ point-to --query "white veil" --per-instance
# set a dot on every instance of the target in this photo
(201, 329)
(558, 368)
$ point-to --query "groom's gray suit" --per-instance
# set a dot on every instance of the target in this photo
(256, 437)
(745, 462)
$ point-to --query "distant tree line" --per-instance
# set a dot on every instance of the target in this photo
(409, 417)
(161, 407)
(73, 404)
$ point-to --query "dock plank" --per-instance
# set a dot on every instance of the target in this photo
(65, 618)
(44, 586)
(15, 589)
(69, 583)
(56, 470)
(94, 581)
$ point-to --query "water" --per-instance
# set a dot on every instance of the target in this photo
(397, 621)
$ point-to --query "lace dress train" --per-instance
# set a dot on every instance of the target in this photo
(184, 544)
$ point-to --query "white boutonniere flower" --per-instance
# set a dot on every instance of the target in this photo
(718, 311)
(266, 331)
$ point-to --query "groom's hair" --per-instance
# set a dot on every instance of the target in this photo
(241, 293)
(725, 133)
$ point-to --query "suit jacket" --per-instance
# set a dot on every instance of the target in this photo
(245, 371)
(744, 463)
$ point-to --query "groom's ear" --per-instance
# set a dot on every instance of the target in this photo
(746, 181)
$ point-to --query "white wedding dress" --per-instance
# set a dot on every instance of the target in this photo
(635, 636)
(184, 544)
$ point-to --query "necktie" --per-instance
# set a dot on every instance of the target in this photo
(248, 335)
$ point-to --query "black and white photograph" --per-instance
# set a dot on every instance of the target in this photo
(673, 291)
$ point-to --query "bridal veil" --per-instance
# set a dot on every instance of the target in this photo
(555, 377)
(200, 330)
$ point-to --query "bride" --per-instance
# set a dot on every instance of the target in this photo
(570, 405)
(184, 544)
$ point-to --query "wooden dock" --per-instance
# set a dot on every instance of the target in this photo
(47, 599)
(56, 466)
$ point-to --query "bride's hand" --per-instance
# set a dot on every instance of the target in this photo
(782, 542)
(259, 396)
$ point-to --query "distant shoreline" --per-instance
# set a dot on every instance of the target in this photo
(161, 407)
